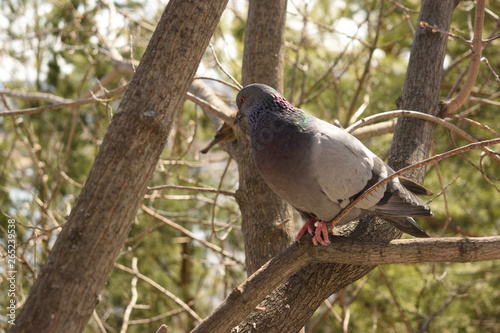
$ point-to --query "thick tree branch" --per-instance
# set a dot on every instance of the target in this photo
(250, 293)
(413, 137)
(67, 290)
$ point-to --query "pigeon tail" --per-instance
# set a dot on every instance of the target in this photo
(407, 225)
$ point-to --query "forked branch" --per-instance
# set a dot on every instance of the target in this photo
(250, 293)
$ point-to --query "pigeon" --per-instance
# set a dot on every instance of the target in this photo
(319, 168)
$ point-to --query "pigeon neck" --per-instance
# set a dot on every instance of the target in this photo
(273, 122)
(272, 108)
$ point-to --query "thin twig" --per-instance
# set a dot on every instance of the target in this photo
(237, 88)
(155, 318)
(189, 234)
(99, 322)
(395, 300)
(485, 175)
(163, 328)
(443, 192)
(435, 29)
(210, 108)
(222, 68)
(191, 188)
(425, 116)
(61, 105)
(160, 288)
(366, 71)
(425, 325)
(297, 54)
(214, 232)
(485, 60)
(133, 299)
(34, 96)
(477, 48)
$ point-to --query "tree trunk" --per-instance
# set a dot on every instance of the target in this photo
(267, 223)
(67, 290)
(412, 137)
(291, 305)
(263, 56)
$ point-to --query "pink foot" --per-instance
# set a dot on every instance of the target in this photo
(309, 227)
(321, 234)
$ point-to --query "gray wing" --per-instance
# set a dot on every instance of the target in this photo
(345, 168)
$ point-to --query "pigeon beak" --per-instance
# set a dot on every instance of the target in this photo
(238, 118)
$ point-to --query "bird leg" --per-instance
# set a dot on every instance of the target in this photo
(308, 226)
(321, 234)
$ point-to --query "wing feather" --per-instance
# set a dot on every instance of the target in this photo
(343, 166)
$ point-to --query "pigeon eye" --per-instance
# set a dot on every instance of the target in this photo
(242, 99)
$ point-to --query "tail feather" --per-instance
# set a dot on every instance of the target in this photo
(407, 225)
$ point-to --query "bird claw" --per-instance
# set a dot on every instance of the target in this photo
(320, 235)
(308, 226)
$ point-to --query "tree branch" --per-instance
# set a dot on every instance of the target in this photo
(353, 129)
(66, 292)
(63, 104)
(188, 233)
(475, 62)
(250, 293)
(211, 108)
(176, 299)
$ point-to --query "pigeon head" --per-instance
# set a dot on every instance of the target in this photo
(249, 95)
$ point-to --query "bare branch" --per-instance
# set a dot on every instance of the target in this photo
(163, 328)
(250, 293)
(67, 103)
(189, 234)
(485, 60)
(160, 288)
(477, 48)
(212, 109)
(191, 188)
(405, 113)
(34, 96)
(222, 67)
(374, 130)
(133, 300)
(363, 81)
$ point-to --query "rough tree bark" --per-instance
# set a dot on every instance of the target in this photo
(246, 296)
(421, 89)
(67, 290)
(267, 223)
(302, 294)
